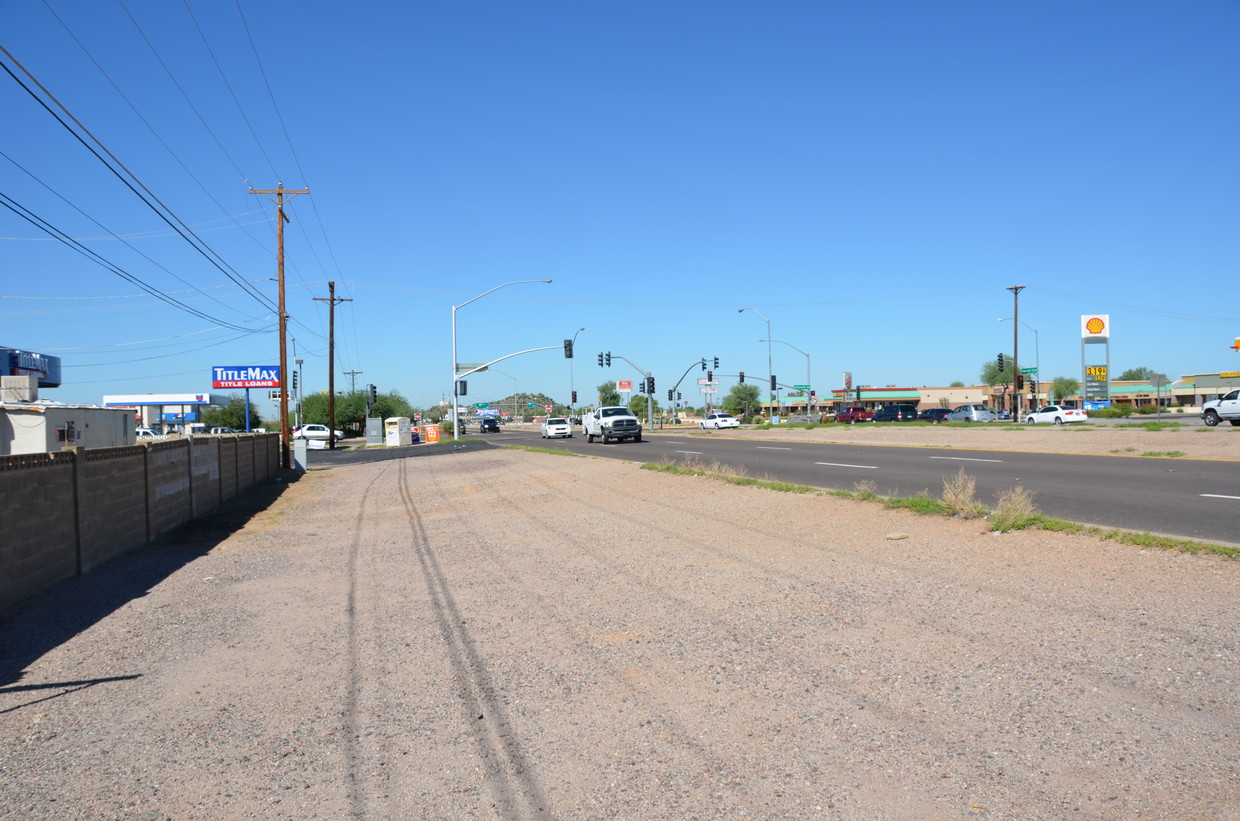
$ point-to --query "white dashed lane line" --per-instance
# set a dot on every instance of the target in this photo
(839, 465)
(964, 459)
(1217, 496)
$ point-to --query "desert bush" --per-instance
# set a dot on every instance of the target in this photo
(960, 495)
(1015, 510)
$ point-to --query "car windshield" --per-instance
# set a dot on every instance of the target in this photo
(557, 421)
(616, 412)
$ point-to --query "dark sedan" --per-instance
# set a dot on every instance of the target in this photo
(933, 415)
(488, 425)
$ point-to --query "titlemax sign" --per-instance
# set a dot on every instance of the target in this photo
(245, 376)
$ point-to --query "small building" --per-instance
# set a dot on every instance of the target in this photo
(29, 425)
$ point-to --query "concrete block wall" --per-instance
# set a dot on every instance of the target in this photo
(111, 502)
(205, 474)
(38, 531)
(167, 485)
(62, 514)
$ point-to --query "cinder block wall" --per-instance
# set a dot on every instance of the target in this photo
(167, 485)
(228, 467)
(38, 541)
(206, 474)
(62, 514)
(111, 502)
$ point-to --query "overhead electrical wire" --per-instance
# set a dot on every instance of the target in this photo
(166, 214)
(105, 228)
(43, 225)
(155, 133)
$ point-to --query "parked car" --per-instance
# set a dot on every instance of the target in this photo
(488, 425)
(933, 415)
(216, 431)
(857, 413)
(147, 433)
(314, 431)
(555, 427)
(1056, 414)
(972, 413)
(895, 413)
(719, 420)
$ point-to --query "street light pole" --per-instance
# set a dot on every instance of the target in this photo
(770, 370)
(1016, 289)
(456, 409)
(808, 380)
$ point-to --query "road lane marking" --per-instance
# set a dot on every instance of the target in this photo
(1218, 496)
(689, 452)
(841, 465)
(964, 459)
(767, 447)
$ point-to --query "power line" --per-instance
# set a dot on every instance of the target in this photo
(42, 224)
(166, 214)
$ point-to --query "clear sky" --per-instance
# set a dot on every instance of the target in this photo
(870, 177)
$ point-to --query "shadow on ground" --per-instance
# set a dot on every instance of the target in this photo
(40, 624)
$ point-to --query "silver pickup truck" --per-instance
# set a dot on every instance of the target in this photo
(1226, 407)
(612, 422)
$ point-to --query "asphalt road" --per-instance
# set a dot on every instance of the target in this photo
(1191, 499)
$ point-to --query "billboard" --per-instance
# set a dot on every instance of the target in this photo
(245, 376)
(16, 362)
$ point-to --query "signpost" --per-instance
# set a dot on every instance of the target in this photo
(1029, 371)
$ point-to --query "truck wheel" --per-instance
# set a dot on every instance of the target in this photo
(590, 437)
(1211, 418)
(606, 440)
(638, 437)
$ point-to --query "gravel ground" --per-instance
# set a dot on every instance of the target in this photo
(512, 635)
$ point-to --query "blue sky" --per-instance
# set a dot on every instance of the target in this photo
(871, 177)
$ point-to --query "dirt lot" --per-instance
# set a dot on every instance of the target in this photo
(513, 635)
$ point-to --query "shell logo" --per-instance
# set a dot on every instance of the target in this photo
(1095, 325)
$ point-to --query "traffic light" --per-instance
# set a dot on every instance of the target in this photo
(703, 364)
(669, 394)
(608, 359)
(641, 386)
(462, 387)
(650, 385)
(679, 396)
(716, 361)
(294, 381)
(742, 377)
(710, 377)
(600, 359)
(574, 397)
(373, 393)
(813, 395)
(1020, 382)
(568, 349)
(1000, 363)
(773, 382)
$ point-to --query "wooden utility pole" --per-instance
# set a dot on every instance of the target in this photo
(331, 301)
(284, 379)
(352, 380)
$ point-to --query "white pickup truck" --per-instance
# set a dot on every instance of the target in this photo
(1226, 407)
(612, 422)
